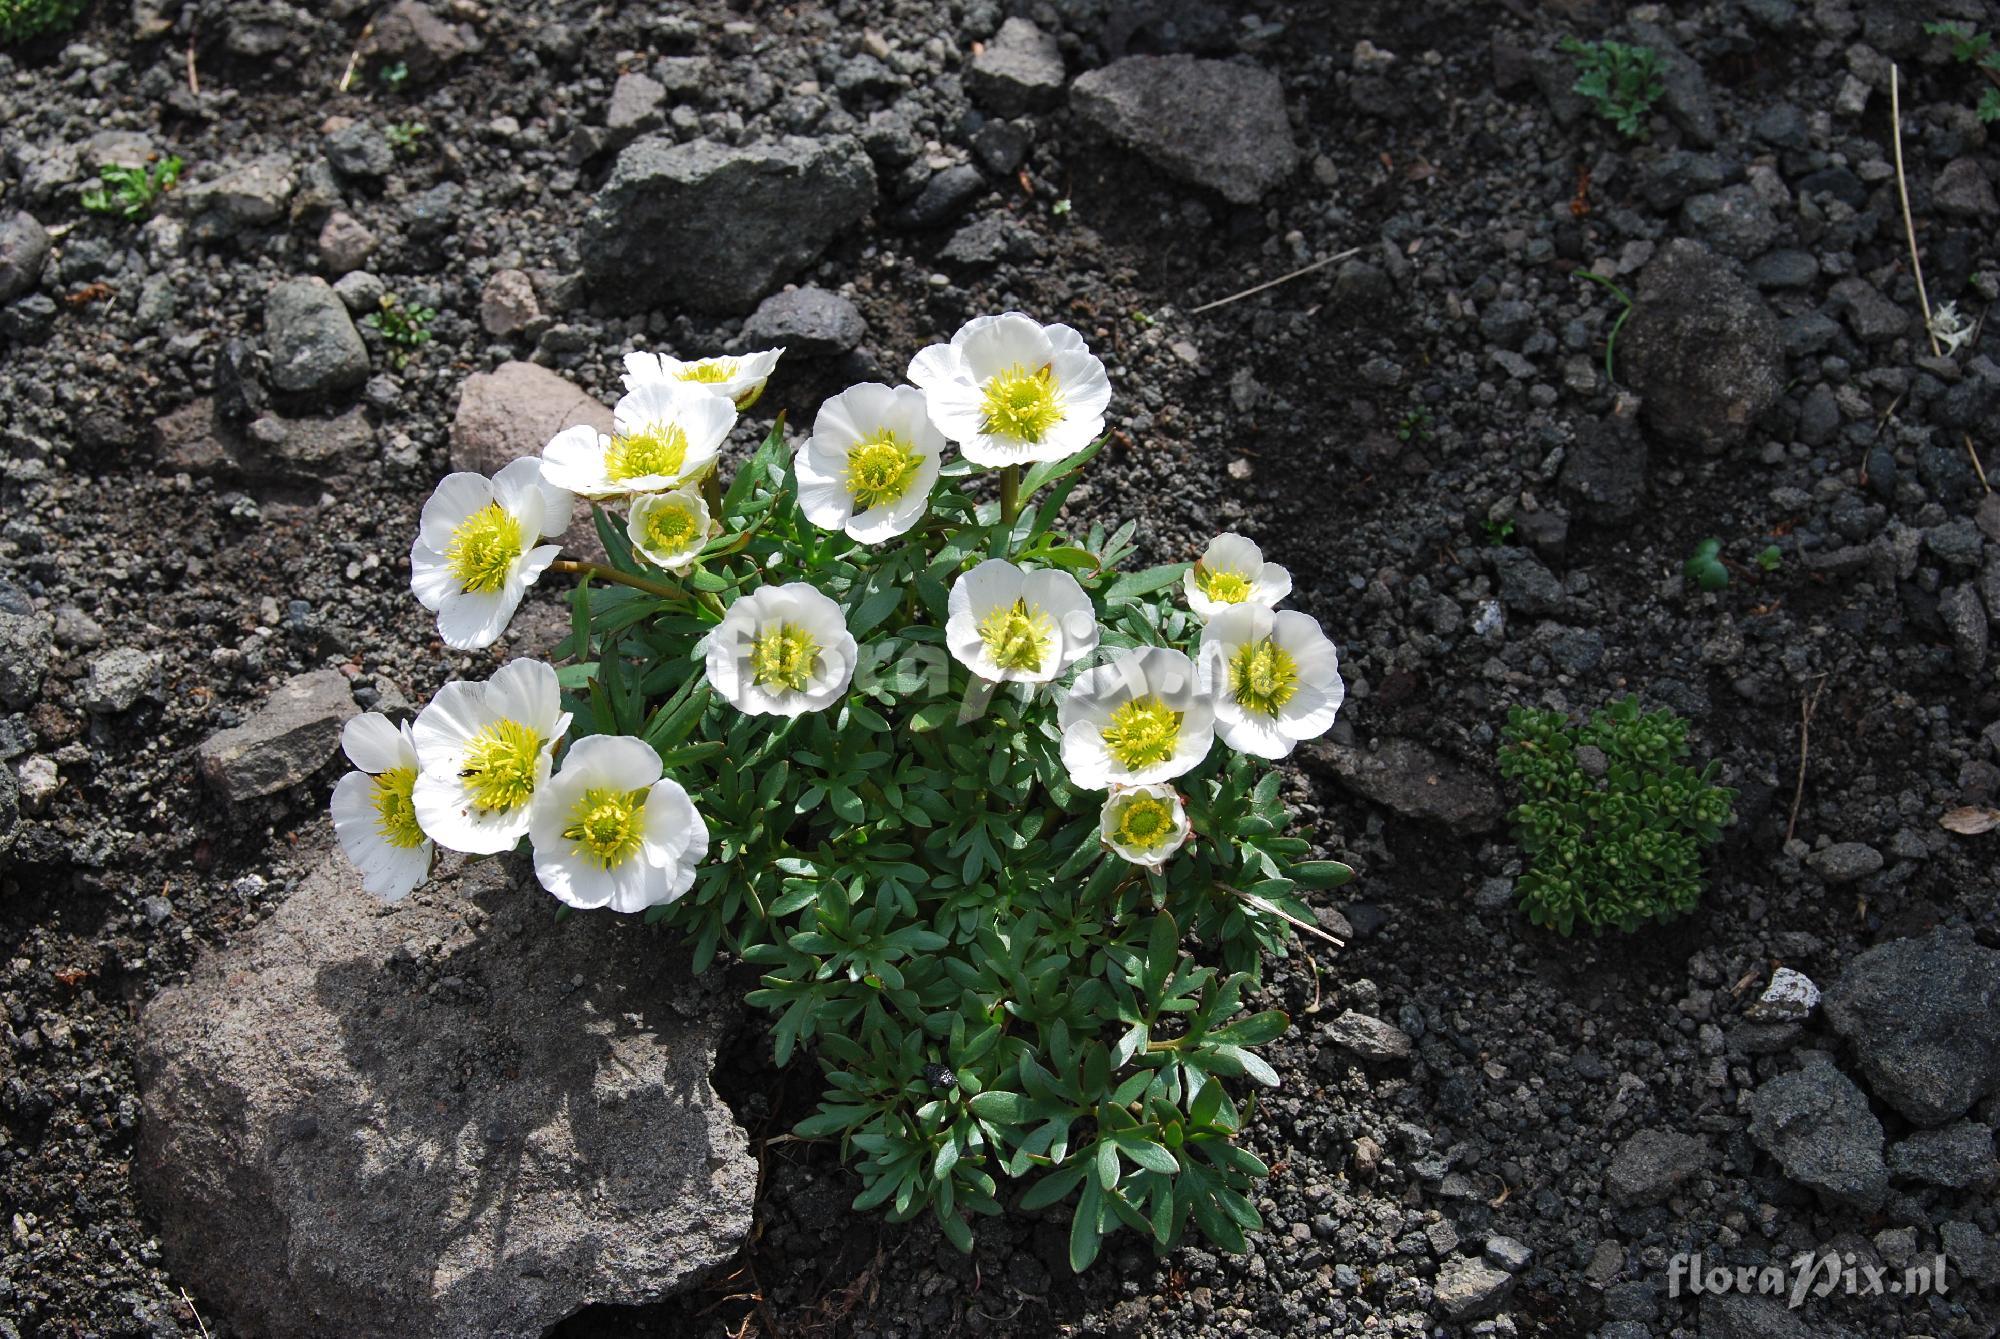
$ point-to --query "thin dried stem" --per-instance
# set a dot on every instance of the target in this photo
(1273, 283)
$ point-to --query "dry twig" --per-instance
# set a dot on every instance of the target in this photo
(1273, 283)
(195, 1313)
(354, 57)
(1807, 702)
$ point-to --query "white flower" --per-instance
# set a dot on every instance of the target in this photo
(1008, 390)
(484, 751)
(1950, 329)
(479, 547)
(738, 380)
(869, 465)
(1144, 824)
(664, 434)
(780, 651)
(670, 529)
(1007, 623)
(1142, 718)
(1232, 571)
(372, 814)
(1274, 678)
(609, 831)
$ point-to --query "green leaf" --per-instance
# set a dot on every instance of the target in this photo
(1320, 874)
(1055, 1185)
(1086, 1232)
(1135, 584)
(999, 1105)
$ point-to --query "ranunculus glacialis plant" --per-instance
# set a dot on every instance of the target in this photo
(991, 814)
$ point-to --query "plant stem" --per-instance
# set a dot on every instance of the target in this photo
(1010, 494)
(711, 492)
(577, 567)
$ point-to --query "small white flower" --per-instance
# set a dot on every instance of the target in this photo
(484, 752)
(1144, 824)
(1232, 571)
(1007, 623)
(1141, 719)
(372, 813)
(780, 651)
(669, 529)
(1274, 678)
(869, 465)
(1950, 329)
(1009, 390)
(739, 380)
(664, 434)
(479, 547)
(609, 831)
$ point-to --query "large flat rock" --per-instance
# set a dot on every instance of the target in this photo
(1219, 124)
(453, 1118)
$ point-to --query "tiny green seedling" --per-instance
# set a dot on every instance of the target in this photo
(21, 20)
(1704, 567)
(1971, 46)
(1624, 315)
(1498, 532)
(1060, 207)
(403, 329)
(1415, 425)
(1770, 559)
(131, 192)
(407, 137)
(1623, 81)
(393, 76)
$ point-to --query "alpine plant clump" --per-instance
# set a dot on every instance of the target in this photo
(944, 772)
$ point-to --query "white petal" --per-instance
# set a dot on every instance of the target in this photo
(823, 496)
(527, 691)
(1311, 710)
(446, 813)
(614, 762)
(993, 584)
(1231, 552)
(574, 462)
(641, 367)
(1084, 756)
(470, 620)
(572, 879)
(936, 366)
(1258, 736)
(456, 713)
(673, 826)
(456, 497)
(372, 742)
(992, 345)
(1274, 583)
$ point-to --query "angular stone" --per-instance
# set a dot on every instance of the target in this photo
(345, 243)
(1817, 1124)
(360, 149)
(508, 305)
(1468, 1287)
(450, 1119)
(119, 678)
(1923, 1016)
(1019, 71)
(1218, 124)
(1603, 474)
(513, 411)
(1734, 220)
(1844, 862)
(716, 227)
(27, 642)
(289, 738)
(1369, 1038)
(246, 197)
(1957, 1156)
(411, 33)
(1962, 191)
(312, 341)
(1965, 619)
(1652, 1165)
(24, 250)
(636, 106)
(1702, 348)
(807, 322)
(1870, 314)
(1410, 779)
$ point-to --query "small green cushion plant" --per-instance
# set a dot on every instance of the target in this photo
(21, 20)
(1612, 845)
(1623, 81)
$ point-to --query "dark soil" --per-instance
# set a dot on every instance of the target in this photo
(1393, 428)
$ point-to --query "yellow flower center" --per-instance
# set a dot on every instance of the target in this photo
(606, 826)
(500, 766)
(1220, 586)
(784, 656)
(880, 470)
(1144, 823)
(1263, 676)
(484, 548)
(395, 815)
(672, 527)
(708, 371)
(1142, 733)
(1017, 637)
(1021, 404)
(657, 448)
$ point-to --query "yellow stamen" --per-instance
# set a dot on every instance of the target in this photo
(501, 763)
(1021, 404)
(672, 527)
(657, 448)
(1263, 676)
(1142, 733)
(880, 470)
(1017, 637)
(1221, 586)
(708, 371)
(395, 814)
(1144, 823)
(484, 548)
(607, 826)
(784, 656)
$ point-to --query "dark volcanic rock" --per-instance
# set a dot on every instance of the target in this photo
(1412, 780)
(1020, 71)
(714, 227)
(809, 322)
(292, 736)
(1702, 348)
(1817, 1124)
(313, 344)
(1215, 123)
(1652, 1165)
(1604, 472)
(450, 1119)
(24, 249)
(1923, 1016)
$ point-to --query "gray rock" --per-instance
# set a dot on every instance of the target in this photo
(1923, 1016)
(1468, 1287)
(345, 243)
(1958, 1156)
(312, 341)
(1410, 779)
(1370, 1038)
(1817, 1124)
(637, 105)
(1603, 475)
(1819, 416)
(1734, 220)
(1001, 147)
(246, 197)
(1509, 1254)
(1971, 1252)
(450, 1119)
(513, 411)
(1218, 124)
(1872, 317)
(289, 738)
(360, 292)
(1962, 191)
(1526, 585)
(24, 250)
(1733, 1315)
(807, 322)
(1702, 348)
(1790, 998)
(715, 227)
(433, 212)
(1685, 99)
(508, 305)
(27, 641)
(1844, 862)
(309, 448)
(943, 198)
(1784, 269)
(360, 149)
(411, 34)
(1965, 619)
(1019, 71)
(119, 678)
(1673, 176)
(1507, 322)
(988, 240)
(1652, 1164)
